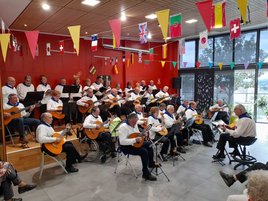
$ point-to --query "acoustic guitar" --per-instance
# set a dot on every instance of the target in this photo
(57, 113)
(55, 148)
(93, 133)
(134, 135)
(90, 103)
(161, 100)
(164, 130)
(198, 119)
(15, 112)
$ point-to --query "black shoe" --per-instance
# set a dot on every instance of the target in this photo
(113, 154)
(155, 165)
(228, 179)
(181, 150)
(103, 158)
(219, 156)
(71, 169)
(25, 188)
(207, 144)
(81, 158)
(164, 158)
(174, 153)
(149, 177)
(16, 199)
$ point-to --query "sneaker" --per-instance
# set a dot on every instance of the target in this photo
(71, 169)
(219, 156)
(81, 158)
(149, 177)
(228, 179)
(181, 150)
(25, 188)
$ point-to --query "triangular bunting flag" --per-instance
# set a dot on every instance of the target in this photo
(220, 65)
(163, 63)
(232, 65)
(246, 65)
(184, 64)
(242, 5)
(198, 64)
(174, 64)
(164, 51)
(162, 17)
(205, 10)
(210, 64)
(32, 38)
(4, 39)
(115, 25)
(75, 35)
(260, 64)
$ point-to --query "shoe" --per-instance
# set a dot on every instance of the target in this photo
(25, 188)
(103, 158)
(235, 153)
(228, 179)
(164, 158)
(16, 199)
(207, 144)
(181, 150)
(174, 153)
(218, 156)
(23, 140)
(149, 177)
(71, 169)
(81, 158)
(155, 165)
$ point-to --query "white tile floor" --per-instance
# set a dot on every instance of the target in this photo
(194, 179)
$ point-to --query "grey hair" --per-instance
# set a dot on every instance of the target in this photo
(258, 185)
(44, 115)
(241, 107)
(170, 106)
(11, 95)
(132, 116)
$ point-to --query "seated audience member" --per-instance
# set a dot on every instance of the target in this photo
(152, 85)
(174, 129)
(9, 175)
(183, 107)
(126, 146)
(94, 121)
(207, 133)
(25, 87)
(63, 96)
(154, 131)
(18, 123)
(9, 88)
(44, 134)
(220, 112)
(243, 175)
(245, 131)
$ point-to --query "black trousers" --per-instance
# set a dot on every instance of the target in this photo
(222, 115)
(105, 142)
(175, 131)
(242, 176)
(206, 131)
(10, 177)
(145, 152)
(226, 137)
(163, 140)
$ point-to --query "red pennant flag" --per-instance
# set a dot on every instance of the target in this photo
(32, 38)
(235, 28)
(116, 29)
(205, 10)
(61, 46)
(198, 64)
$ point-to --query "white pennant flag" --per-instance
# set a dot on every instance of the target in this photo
(48, 49)
(2, 26)
(203, 39)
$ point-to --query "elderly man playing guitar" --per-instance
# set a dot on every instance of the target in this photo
(53, 144)
(219, 112)
(132, 142)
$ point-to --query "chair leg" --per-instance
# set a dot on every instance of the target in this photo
(9, 134)
(42, 163)
(60, 162)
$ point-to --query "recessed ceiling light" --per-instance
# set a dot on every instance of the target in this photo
(191, 21)
(25, 25)
(86, 32)
(151, 16)
(90, 2)
(149, 35)
(45, 6)
(123, 16)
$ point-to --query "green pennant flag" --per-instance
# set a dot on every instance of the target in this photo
(232, 65)
(151, 50)
(174, 64)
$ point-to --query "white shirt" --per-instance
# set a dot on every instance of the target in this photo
(245, 127)
(22, 90)
(59, 88)
(44, 134)
(97, 87)
(189, 113)
(134, 96)
(140, 116)
(222, 108)
(162, 94)
(169, 121)
(152, 87)
(149, 98)
(182, 108)
(154, 122)
(124, 131)
(20, 106)
(90, 122)
(86, 88)
(42, 87)
(78, 94)
(6, 90)
(111, 97)
(127, 90)
(53, 105)
(82, 101)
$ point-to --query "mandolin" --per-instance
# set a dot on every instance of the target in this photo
(90, 103)
(164, 130)
(134, 135)
(15, 112)
(56, 147)
(57, 113)
(198, 119)
(93, 133)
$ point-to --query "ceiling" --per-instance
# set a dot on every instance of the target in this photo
(93, 20)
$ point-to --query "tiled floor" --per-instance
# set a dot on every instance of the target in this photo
(194, 179)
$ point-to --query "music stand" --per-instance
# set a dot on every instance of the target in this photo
(34, 96)
(155, 91)
(144, 101)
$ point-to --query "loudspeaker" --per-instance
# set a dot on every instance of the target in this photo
(176, 83)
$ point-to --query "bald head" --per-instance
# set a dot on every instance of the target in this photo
(46, 117)
(11, 81)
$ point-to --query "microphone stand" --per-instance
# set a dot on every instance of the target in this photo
(154, 145)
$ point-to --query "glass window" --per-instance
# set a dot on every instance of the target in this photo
(264, 46)
(244, 84)
(189, 55)
(187, 87)
(245, 48)
(224, 86)
(206, 55)
(262, 96)
(223, 50)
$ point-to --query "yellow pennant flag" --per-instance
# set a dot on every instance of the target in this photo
(75, 35)
(163, 17)
(114, 42)
(242, 5)
(164, 51)
(163, 63)
(4, 39)
(220, 65)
